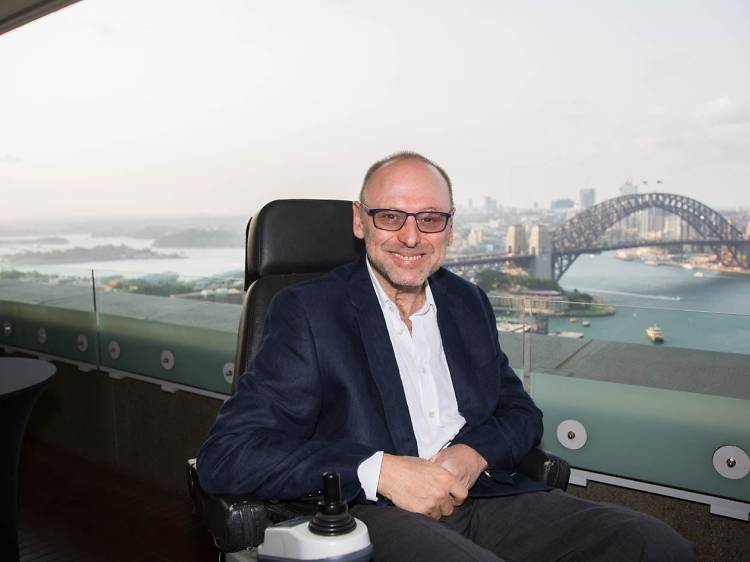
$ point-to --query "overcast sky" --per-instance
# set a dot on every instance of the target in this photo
(151, 107)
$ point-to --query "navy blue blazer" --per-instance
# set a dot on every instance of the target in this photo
(324, 392)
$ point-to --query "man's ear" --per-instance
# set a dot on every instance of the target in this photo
(357, 227)
(450, 234)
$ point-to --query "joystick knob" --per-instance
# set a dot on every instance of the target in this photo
(333, 517)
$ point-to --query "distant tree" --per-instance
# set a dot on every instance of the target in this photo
(164, 289)
(577, 296)
(537, 284)
(491, 280)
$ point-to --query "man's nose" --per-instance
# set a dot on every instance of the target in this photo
(409, 233)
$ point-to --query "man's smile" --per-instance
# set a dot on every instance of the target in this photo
(408, 258)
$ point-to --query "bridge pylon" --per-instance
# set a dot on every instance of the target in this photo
(540, 248)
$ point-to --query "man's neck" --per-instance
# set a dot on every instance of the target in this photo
(407, 299)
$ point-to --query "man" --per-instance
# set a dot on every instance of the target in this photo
(389, 371)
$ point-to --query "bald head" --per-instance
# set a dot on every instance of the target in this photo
(404, 156)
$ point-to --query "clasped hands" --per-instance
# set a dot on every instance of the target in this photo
(432, 487)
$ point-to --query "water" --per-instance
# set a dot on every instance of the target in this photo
(709, 313)
(643, 295)
(198, 262)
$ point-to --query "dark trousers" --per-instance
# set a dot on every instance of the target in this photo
(538, 526)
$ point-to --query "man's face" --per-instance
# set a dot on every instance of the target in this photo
(405, 258)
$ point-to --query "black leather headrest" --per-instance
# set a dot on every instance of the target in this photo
(300, 236)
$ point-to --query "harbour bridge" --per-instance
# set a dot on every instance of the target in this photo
(586, 233)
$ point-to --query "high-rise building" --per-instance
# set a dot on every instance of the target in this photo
(516, 239)
(476, 236)
(628, 188)
(587, 198)
(674, 227)
(558, 204)
(631, 223)
(652, 223)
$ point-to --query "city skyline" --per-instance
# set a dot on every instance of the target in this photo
(150, 109)
(467, 205)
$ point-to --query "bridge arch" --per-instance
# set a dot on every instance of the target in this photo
(583, 230)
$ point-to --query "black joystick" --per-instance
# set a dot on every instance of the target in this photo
(333, 517)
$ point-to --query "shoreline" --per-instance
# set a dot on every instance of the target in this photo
(610, 311)
(731, 271)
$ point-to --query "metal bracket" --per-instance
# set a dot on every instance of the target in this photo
(718, 506)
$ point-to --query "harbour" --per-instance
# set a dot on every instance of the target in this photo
(710, 313)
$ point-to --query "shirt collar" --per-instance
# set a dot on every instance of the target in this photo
(386, 302)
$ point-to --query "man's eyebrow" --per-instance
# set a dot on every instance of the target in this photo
(422, 210)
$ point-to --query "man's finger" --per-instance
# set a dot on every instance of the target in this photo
(458, 493)
(446, 507)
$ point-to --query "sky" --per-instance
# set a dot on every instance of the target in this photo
(162, 107)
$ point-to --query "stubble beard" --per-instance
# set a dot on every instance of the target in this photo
(400, 285)
(380, 267)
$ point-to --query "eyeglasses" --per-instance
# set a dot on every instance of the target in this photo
(428, 222)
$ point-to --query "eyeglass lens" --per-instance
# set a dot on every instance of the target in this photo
(394, 220)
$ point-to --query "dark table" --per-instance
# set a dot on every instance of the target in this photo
(21, 383)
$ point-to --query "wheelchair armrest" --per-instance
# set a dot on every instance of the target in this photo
(235, 522)
(239, 522)
(546, 468)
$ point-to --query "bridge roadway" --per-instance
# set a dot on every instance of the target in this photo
(479, 259)
(525, 259)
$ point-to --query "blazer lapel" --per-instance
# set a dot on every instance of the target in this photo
(450, 311)
(382, 360)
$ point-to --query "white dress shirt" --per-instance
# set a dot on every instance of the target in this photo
(425, 377)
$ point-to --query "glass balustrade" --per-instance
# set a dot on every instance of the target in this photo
(177, 328)
(651, 394)
(49, 313)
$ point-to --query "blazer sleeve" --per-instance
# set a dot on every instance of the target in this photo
(505, 437)
(263, 439)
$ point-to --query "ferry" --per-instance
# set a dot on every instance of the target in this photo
(655, 334)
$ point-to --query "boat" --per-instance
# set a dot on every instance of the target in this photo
(687, 266)
(573, 319)
(655, 334)
(698, 274)
(515, 327)
(569, 334)
(625, 256)
(585, 323)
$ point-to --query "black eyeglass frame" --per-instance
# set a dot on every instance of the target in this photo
(373, 212)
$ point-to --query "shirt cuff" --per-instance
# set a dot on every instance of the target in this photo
(368, 473)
